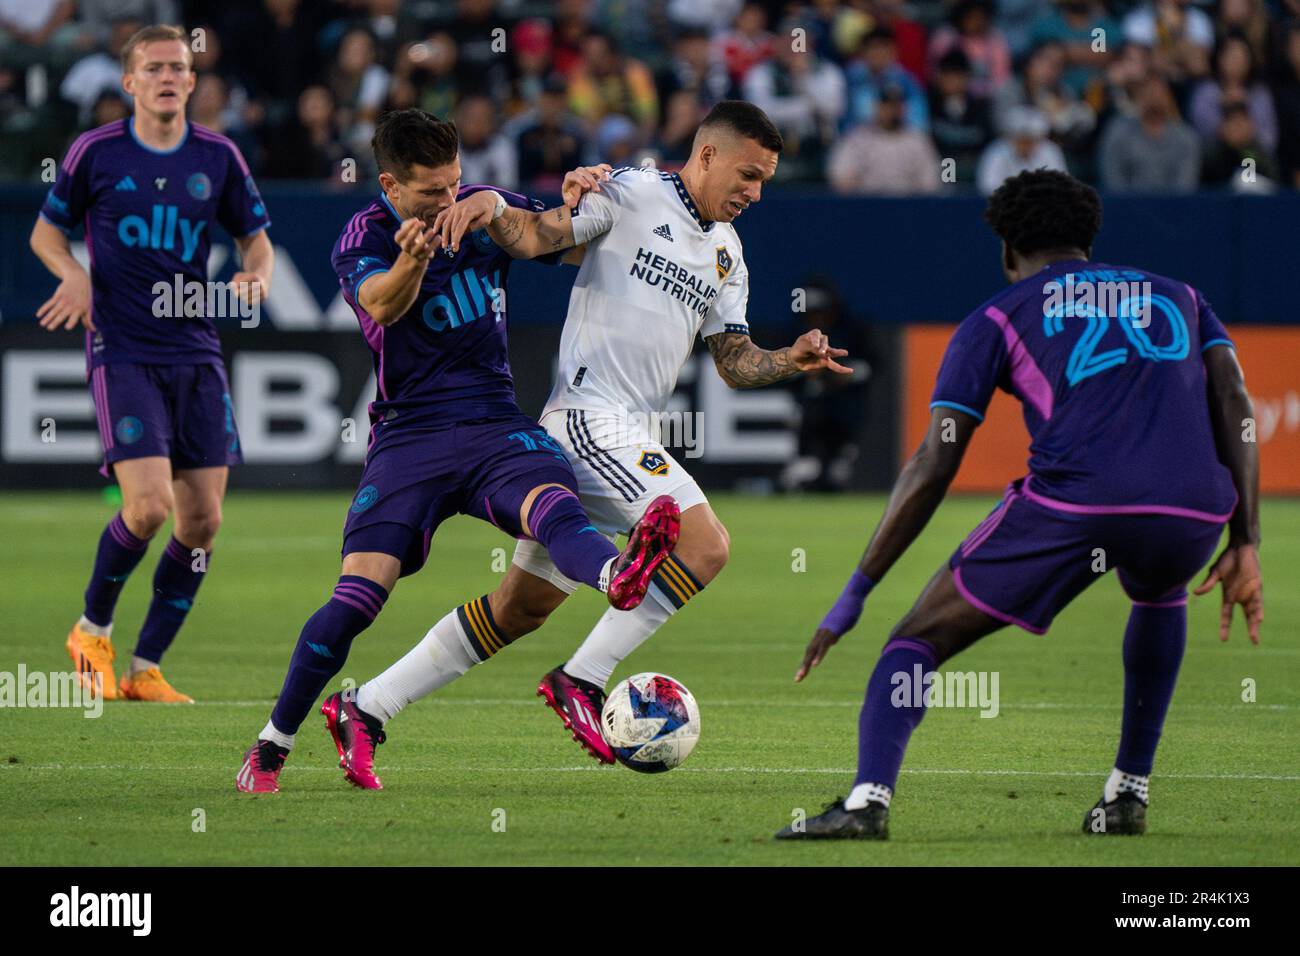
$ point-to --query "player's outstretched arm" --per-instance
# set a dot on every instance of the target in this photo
(70, 304)
(917, 493)
(1237, 568)
(257, 261)
(742, 364)
(387, 296)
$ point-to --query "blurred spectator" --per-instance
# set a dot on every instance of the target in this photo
(876, 66)
(1023, 145)
(360, 86)
(530, 41)
(695, 69)
(833, 407)
(210, 107)
(308, 145)
(1249, 19)
(41, 31)
(804, 96)
(1016, 19)
(100, 71)
(277, 55)
(885, 157)
(1235, 79)
(482, 65)
(746, 44)
(618, 142)
(682, 117)
(1288, 109)
(552, 144)
(98, 16)
(425, 76)
(109, 108)
(704, 14)
(960, 122)
(485, 155)
(640, 28)
(1153, 151)
(1237, 157)
(1125, 74)
(569, 28)
(971, 27)
(609, 82)
(1070, 121)
(1074, 25)
(1180, 36)
(909, 36)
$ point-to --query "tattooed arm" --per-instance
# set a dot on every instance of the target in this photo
(527, 235)
(742, 364)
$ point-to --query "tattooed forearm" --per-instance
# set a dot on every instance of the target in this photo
(509, 229)
(525, 234)
(742, 364)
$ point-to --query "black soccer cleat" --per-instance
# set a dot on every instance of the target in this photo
(1126, 815)
(836, 823)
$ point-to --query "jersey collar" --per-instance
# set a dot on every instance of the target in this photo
(130, 125)
(383, 197)
(688, 202)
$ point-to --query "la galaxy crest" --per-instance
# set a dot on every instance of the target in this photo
(724, 262)
(653, 462)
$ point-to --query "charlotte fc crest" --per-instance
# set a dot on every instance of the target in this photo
(724, 262)
(653, 462)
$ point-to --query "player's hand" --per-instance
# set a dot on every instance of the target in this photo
(1237, 568)
(812, 350)
(70, 304)
(583, 180)
(250, 287)
(822, 642)
(465, 215)
(415, 240)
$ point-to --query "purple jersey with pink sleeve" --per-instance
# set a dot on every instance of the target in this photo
(147, 216)
(445, 360)
(1107, 364)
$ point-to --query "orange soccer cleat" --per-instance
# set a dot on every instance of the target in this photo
(150, 685)
(93, 657)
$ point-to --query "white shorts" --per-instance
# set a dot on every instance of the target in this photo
(620, 470)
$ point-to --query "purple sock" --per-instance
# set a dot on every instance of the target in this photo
(323, 647)
(175, 584)
(1153, 650)
(119, 552)
(883, 728)
(557, 520)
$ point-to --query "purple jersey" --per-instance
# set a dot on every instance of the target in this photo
(1106, 362)
(147, 216)
(445, 360)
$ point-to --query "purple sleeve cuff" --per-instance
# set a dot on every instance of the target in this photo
(848, 607)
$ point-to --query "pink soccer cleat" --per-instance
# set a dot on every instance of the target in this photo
(579, 705)
(356, 735)
(648, 546)
(261, 770)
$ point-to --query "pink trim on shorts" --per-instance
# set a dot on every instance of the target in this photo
(984, 530)
(1125, 509)
(993, 612)
(1025, 373)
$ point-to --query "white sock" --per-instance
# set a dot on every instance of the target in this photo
(139, 664)
(1121, 782)
(95, 630)
(616, 635)
(865, 793)
(276, 737)
(441, 657)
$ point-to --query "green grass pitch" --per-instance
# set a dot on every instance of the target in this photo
(482, 773)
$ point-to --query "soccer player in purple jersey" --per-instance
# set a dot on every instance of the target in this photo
(446, 437)
(148, 189)
(1135, 413)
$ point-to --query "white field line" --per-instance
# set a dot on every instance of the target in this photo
(854, 704)
(841, 771)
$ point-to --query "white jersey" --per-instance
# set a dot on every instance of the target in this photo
(654, 276)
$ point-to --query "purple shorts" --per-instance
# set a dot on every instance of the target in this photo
(179, 412)
(417, 477)
(1026, 561)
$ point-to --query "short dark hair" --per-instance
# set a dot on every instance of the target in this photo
(747, 120)
(1044, 210)
(405, 138)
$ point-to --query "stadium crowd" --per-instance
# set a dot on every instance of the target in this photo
(872, 96)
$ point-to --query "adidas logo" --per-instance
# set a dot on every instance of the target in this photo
(664, 232)
(126, 182)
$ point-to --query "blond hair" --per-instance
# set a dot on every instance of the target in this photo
(159, 31)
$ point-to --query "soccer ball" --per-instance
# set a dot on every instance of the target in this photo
(651, 722)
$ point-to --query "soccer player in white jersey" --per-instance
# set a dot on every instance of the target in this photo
(662, 264)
